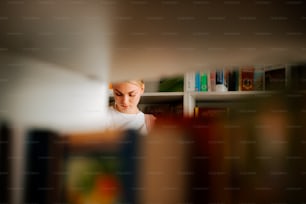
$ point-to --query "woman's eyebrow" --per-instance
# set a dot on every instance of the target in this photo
(132, 91)
(116, 90)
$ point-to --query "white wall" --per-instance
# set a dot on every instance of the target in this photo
(37, 94)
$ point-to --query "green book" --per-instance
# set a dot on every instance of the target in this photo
(173, 84)
(204, 84)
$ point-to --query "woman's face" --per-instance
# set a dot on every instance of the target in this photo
(127, 96)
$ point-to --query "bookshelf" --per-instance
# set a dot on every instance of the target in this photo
(276, 79)
(191, 99)
(214, 98)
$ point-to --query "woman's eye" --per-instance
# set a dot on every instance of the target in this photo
(118, 94)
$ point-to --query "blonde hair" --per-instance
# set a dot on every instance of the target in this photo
(139, 83)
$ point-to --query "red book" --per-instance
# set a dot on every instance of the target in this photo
(247, 79)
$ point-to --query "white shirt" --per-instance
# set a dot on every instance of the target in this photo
(118, 120)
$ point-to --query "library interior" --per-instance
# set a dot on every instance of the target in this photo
(225, 82)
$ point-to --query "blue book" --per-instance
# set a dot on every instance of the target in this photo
(197, 81)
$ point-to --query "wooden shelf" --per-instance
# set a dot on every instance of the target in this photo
(229, 95)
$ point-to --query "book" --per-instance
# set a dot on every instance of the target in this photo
(165, 166)
(204, 81)
(208, 149)
(233, 79)
(212, 81)
(197, 81)
(190, 81)
(275, 79)
(5, 164)
(221, 80)
(196, 112)
(41, 162)
(247, 78)
(172, 84)
(298, 77)
(258, 80)
(101, 167)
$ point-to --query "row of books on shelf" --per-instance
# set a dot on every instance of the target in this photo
(176, 110)
(210, 114)
(236, 79)
(164, 110)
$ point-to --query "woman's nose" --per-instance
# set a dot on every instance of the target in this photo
(125, 99)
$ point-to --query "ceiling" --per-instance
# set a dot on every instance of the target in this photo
(116, 40)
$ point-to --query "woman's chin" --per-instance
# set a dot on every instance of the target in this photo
(125, 110)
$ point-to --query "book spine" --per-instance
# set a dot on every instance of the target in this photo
(196, 112)
(197, 81)
(275, 78)
(220, 81)
(190, 81)
(42, 157)
(5, 163)
(233, 80)
(258, 79)
(204, 85)
(239, 79)
(212, 80)
(208, 82)
(219, 77)
(247, 79)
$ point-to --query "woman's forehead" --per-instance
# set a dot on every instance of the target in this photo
(125, 86)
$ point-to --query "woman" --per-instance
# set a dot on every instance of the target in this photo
(125, 114)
